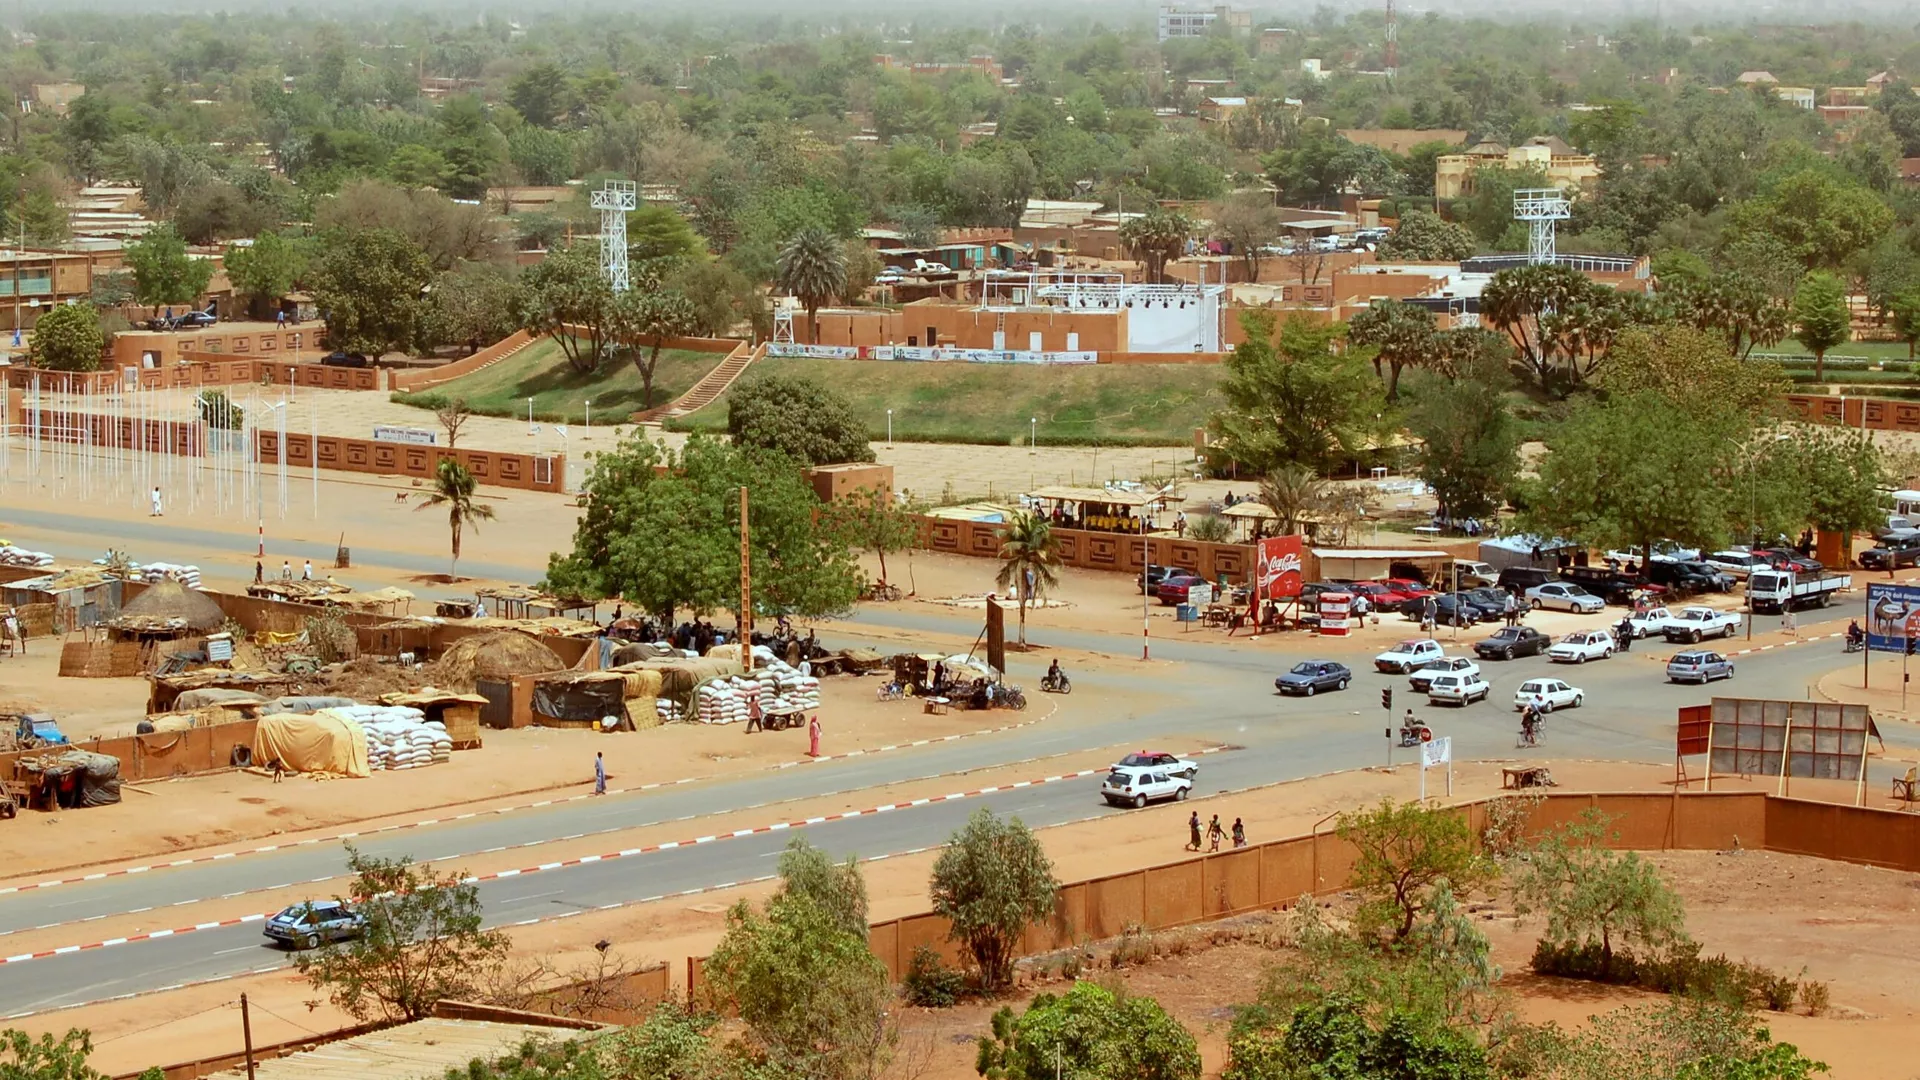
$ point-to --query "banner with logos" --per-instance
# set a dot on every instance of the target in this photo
(938, 354)
(1278, 568)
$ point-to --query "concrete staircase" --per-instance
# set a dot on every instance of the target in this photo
(711, 385)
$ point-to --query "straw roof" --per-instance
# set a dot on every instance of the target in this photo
(168, 601)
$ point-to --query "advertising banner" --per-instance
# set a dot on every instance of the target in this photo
(936, 354)
(1435, 753)
(1893, 616)
(1335, 607)
(416, 436)
(1278, 568)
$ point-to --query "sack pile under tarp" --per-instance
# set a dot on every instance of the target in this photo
(322, 744)
(81, 777)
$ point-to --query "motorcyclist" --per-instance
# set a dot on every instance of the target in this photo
(1054, 674)
(1855, 638)
(1624, 632)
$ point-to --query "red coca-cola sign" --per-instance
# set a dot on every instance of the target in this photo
(1277, 569)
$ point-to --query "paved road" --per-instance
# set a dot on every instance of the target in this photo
(1629, 716)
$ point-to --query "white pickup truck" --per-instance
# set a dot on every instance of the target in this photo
(1779, 590)
(1694, 623)
(1651, 621)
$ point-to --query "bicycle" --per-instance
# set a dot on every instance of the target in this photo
(892, 691)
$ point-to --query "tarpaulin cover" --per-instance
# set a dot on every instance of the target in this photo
(321, 742)
(642, 650)
(309, 704)
(214, 695)
(97, 776)
(679, 677)
(580, 699)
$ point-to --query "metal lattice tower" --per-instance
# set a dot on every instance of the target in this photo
(1540, 208)
(1393, 42)
(782, 325)
(615, 200)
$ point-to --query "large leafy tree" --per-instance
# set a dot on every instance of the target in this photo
(813, 269)
(23, 1057)
(422, 942)
(163, 271)
(991, 882)
(1469, 440)
(663, 530)
(1836, 474)
(1028, 553)
(1401, 335)
(1158, 236)
(1295, 400)
(1593, 895)
(265, 270)
(1251, 222)
(1906, 317)
(1405, 855)
(1561, 324)
(1088, 1032)
(69, 338)
(650, 315)
(798, 416)
(371, 288)
(1821, 318)
(564, 297)
(1315, 167)
(1735, 304)
(1424, 237)
(473, 304)
(453, 491)
(1820, 217)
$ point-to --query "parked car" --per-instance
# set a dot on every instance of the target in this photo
(1153, 575)
(1892, 554)
(1582, 646)
(1408, 587)
(1421, 678)
(1548, 695)
(1687, 577)
(1663, 551)
(1565, 596)
(1172, 764)
(1379, 594)
(1737, 562)
(1491, 601)
(1136, 787)
(1611, 586)
(1654, 620)
(1512, 641)
(1173, 588)
(1693, 623)
(1473, 573)
(1407, 655)
(1451, 609)
(1518, 579)
(312, 923)
(337, 358)
(1699, 665)
(1790, 561)
(1461, 689)
(1309, 677)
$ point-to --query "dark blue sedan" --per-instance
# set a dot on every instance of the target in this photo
(1309, 677)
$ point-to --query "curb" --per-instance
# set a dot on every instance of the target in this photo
(536, 805)
(671, 845)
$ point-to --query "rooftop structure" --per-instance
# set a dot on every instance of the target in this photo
(1179, 22)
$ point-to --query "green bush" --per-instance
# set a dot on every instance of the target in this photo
(1680, 971)
(929, 982)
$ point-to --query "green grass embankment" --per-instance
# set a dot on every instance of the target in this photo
(559, 393)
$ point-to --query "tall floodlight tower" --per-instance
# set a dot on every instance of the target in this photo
(1393, 43)
(615, 200)
(1540, 208)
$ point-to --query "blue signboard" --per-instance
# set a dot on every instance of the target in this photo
(1893, 616)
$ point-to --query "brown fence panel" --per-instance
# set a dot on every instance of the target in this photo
(1854, 834)
(1232, 883)
(1090, 550)
(1173, 895)
(1115, 903)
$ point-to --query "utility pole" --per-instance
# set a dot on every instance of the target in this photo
(746, 588)
(246, 1033)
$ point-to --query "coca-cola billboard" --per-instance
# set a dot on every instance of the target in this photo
(1277, 568)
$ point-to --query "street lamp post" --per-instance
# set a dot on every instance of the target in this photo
(589, 424)
(1033, 433)
(529, 416)
(889, 429)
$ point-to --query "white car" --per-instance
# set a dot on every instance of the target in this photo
(1694, 623)
(1474, 574)
(1136, 787)
(1548, 695)
(1409, 654)
(1738, 563)
(1665, 551)
(1650, 622)
(1582, 646)
(1565, 596)
(1423, 677)
(1463, 689)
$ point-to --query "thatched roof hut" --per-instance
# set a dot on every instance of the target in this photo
(167, 606)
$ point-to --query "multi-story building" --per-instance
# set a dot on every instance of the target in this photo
(1178, 22)
(1453, 173)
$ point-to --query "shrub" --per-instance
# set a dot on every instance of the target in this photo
(930, 982)
(1816, 997)
(1134, 947)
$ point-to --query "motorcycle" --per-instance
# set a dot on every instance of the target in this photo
(1415, 735)
(1854, 645)
(1056, 685)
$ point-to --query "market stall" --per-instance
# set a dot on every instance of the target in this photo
(1096, 509)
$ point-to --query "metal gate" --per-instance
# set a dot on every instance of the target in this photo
(497, 713)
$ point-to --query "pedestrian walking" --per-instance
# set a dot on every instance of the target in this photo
(1239, 834)
(1787, 623)
(1180, 524)
(280, 318)
(157, 510)
(599, 773)
(813, 736)
(1193, 832)
(306, 570)
(286, 570)
(1215, 834)
(259, 572)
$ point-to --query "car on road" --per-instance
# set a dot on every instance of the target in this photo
(1422, 678)
(1173, 588)
(1172, 764)
(1693, 623)
(1407, 655)
(1548, 695)
(1699, 665)
(1512, 641)
(1737, 562)
(1654, 620)
(1892, 554)
(1582, 646)
(1309, 677)
(1136, 787)
(312, 923)
(1565, 596)
(1461, 689)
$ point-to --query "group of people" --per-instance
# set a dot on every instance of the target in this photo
(1214, 833)
(286, 571)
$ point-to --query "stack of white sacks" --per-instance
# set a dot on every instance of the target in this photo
(188, 576)
(725, 701)
(19, 556)
(782, 687)
(399, 737)
(670, 711)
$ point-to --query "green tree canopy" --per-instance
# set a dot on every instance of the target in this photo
(564, 297)
(1821, 317)
(69, 338)
(1405, 854)
(1401, 335)
(1088, 1033)
(23, 1057)
(1821, 218)
(1469, 450)
(992, 881)
(1593, 895)
(1295, 400)
(798, 416)
(163, 271)
(1158, 237)
(267, 269)
(812, 269)
(1425, 237)
(371, 287)
(663, 530)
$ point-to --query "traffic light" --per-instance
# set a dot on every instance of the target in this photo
(1386, 698)
(1911, 643)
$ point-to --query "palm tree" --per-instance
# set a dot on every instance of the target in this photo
(1158, 236)
(1291, 492)
(1403, 333)
(1028, 553)
(453, 488)
(813, 268)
